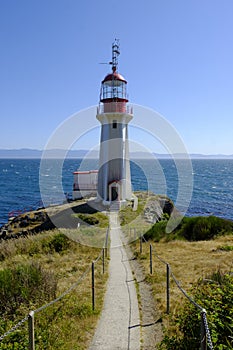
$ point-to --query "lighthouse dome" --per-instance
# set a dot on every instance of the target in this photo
(116, 77)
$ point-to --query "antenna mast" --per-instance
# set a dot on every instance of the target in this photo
(115, 54)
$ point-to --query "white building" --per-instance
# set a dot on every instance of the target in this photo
(114, 180)
(85, 184)
(112, 183)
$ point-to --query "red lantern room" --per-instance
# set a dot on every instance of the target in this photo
(113, 88)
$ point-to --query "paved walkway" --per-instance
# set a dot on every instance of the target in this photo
(119, 324)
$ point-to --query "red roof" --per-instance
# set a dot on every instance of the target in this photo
(114, 76)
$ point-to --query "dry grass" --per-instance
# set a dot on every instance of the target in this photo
(70, 323)
(87, 235)
(189, 262)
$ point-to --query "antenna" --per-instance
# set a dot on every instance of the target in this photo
(115, 54)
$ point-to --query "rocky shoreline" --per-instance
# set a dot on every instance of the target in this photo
(26, 224)
(33, 222)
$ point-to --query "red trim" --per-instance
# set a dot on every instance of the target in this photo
(114, 99)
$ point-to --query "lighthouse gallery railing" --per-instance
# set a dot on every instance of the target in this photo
(115, 107)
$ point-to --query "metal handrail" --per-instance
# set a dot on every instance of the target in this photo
(115, 107)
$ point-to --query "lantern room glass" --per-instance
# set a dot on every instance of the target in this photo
(113, 89)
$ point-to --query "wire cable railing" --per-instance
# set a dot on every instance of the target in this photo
(30, 316)
(206, 341)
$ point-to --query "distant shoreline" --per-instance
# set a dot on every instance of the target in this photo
(74, 154)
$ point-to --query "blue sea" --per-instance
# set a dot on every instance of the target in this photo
(212, 192)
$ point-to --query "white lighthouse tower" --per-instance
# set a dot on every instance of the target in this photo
(114, 180)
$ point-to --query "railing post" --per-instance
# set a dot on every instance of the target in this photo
(103, 259)
(140, 244)
(203, 333)
(168, 288)
(135, 233)
(106, 243)
(151, 259)
(93, 284)
(31, 337)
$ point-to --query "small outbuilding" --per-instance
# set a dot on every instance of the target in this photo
(85, 184)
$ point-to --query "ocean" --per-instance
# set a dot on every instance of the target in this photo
(212, 192)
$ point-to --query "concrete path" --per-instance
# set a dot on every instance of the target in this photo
(119, 324)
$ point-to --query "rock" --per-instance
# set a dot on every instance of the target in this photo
(3, 234)
(23, 223)
(167, 205)
(156, 207)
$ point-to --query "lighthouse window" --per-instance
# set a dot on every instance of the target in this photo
(114, 124)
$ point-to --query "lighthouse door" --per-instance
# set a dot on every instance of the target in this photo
(114, 193)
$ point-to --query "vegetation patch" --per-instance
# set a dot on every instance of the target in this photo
(97, 219)
(191, 261)
(58, 243)
(26, 285)
(198, 228)
(127, 215)
(215, 294)
(46, 243)
(226, 248)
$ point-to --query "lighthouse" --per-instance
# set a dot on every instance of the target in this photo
(114, 114)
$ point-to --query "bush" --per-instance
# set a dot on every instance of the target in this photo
(88, 219)
(215, 294)
(192, 229)
(204, 228)
(157, 231)
(59, 243)
(98, 218)
(24, 285)
(226, 248)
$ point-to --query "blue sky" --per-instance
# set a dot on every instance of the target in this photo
(175, 54)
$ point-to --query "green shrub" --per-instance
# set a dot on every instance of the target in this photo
(204, 228)
(157, 231)
(226, 248)
(25, 284)
(192, 229)
(59, 243)
(88, 219)
(99, 219)
(215, 294)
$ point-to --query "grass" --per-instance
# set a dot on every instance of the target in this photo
(98, 219)
(197, 248)
(189, 262)
(69, 323)
(88, 236)
(198, 228)
(127, 215)
(132, 222)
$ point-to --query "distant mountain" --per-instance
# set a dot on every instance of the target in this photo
(211, 156)
(37, 154)
(20, 153)
(28, 153)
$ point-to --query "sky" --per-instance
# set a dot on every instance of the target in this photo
(175, 54)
